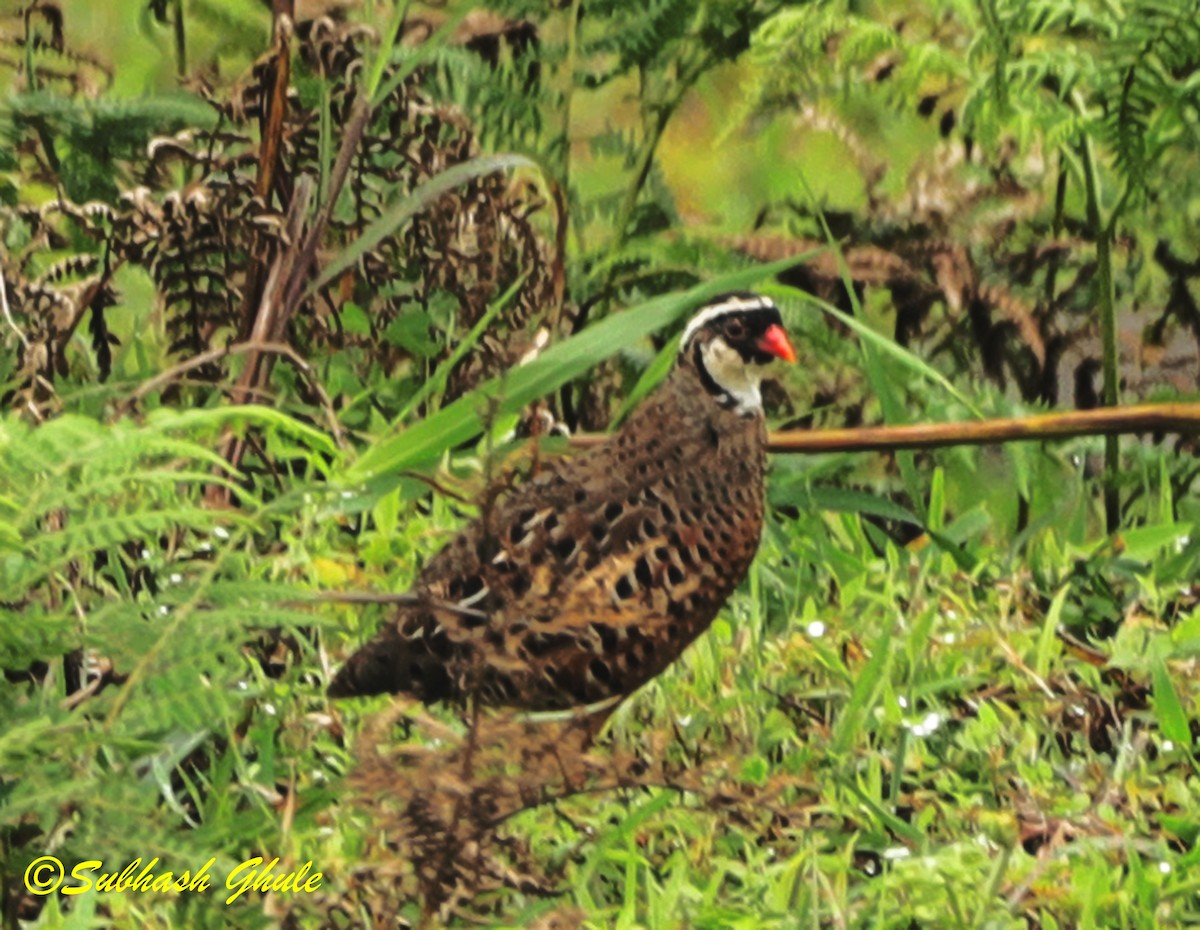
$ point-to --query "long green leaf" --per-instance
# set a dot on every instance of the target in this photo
(463, 419)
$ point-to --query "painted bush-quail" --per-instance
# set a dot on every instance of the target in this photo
(589, 579)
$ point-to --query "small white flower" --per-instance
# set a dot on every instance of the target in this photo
(897, 852)
(176, 578)
(816, 629)
(684, 721)
(145, 554)
(928, 724)
(1165, 868)
(220, 532)
(346, 495)
(242, 686)
(950, 614)
(949, 639)
(163, 610)
(902, 701)
(269, 708)
(1167, 745)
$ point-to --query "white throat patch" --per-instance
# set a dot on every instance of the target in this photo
(733, 375)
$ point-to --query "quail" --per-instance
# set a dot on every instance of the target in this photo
(590, 578)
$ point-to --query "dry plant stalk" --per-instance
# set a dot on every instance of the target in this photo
(1105, 421)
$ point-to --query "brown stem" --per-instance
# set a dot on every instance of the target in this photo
(275, 112)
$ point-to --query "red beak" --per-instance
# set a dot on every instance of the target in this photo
(776, 342)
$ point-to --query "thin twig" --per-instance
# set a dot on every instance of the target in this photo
(214, 355)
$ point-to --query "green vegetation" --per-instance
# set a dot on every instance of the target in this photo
(958, 688)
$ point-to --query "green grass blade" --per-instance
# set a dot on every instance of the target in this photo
(1172, 719)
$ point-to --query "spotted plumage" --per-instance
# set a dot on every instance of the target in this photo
(592, 577)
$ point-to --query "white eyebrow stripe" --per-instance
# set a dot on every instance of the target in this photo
(709, 314)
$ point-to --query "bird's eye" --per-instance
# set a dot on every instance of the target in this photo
(735, 329)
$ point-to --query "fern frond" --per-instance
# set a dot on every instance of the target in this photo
(1147, 78)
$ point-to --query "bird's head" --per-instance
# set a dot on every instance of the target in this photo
(729, 342)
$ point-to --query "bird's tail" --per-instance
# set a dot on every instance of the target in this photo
(373, 669)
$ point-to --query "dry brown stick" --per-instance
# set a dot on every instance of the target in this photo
(356, 127)
(267, 326)
(1104, 421)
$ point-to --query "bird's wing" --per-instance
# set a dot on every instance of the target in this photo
(589, 578)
